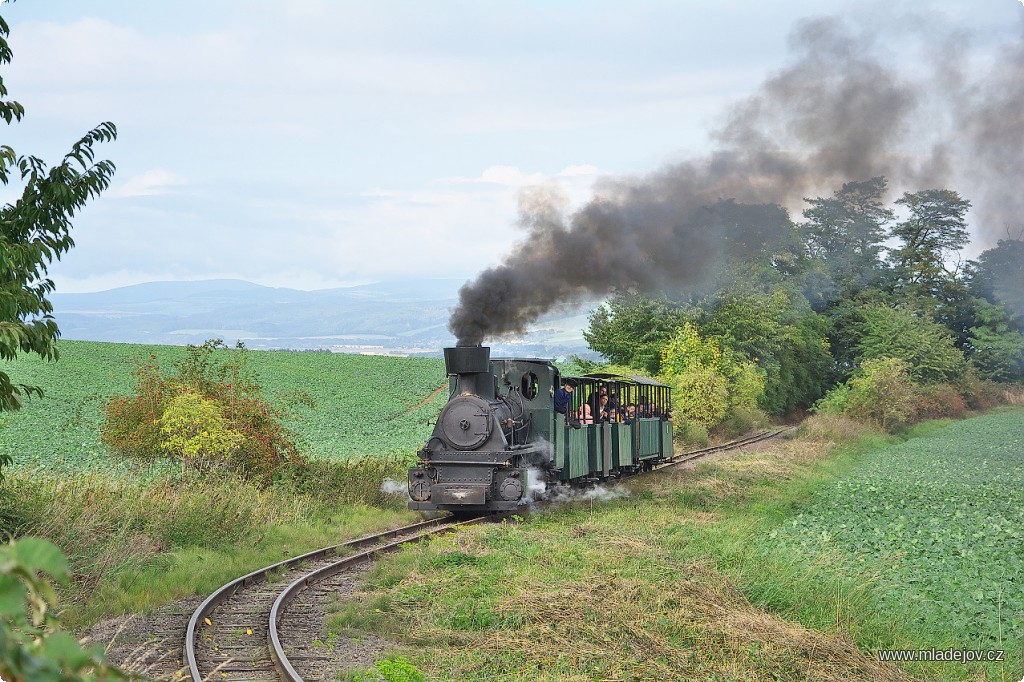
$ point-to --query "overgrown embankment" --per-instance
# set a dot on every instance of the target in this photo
(138, 542)
(690, 578)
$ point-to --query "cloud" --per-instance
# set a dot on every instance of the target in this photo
(153, 182)
(513, 176)
(445, 226)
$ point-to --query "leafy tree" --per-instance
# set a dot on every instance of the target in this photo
(846, 317)
(925, 346)
(995, 348)
(35, 231)
(630, 329)
(709, 381)
(845, 233)
(750, 232)
(953, 306)
(761, 249)
(780, 333)
(700, 395)
(935, 229)
(998, 277)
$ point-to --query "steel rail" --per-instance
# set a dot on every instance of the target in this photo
(224, 592)
(722, 447)
(277, 653)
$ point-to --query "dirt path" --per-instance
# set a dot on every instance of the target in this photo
(429, 399)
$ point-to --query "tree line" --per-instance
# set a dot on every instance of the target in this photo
(830, 312)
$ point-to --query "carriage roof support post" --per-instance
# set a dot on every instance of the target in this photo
(606, 448)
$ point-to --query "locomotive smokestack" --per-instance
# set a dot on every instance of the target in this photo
(466, 359)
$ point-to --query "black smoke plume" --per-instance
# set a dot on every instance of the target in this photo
(843, 111)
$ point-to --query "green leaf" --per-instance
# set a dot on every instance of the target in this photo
(12, 597)
(63, 648)
(37, 554)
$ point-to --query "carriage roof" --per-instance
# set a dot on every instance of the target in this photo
(606, 376)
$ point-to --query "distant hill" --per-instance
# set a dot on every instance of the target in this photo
(395, 317)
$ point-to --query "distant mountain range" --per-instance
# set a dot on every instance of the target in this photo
(395, 317)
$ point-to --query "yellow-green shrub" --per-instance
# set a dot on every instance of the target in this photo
(709, 382)
(195, 432)
(211, 409)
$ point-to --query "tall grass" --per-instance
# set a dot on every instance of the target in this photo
(134, 542)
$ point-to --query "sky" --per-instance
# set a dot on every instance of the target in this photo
(313, 144)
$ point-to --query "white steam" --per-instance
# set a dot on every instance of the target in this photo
(390, 487)
(539, 489)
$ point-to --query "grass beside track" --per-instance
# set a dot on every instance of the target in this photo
(689, 578)
(136, 543)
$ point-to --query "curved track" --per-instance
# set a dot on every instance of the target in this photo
(237, 632)
(234, 634)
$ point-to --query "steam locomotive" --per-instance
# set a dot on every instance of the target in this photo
(499, 432)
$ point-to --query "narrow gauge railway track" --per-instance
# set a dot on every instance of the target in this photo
(722, 447)
(235, 633)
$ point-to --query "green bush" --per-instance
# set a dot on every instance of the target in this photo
(880, 393)
(709, 382)
(835, 402)
(925, 347)
(195, 432)
(210, 412)
(700, 395)
(691, 432)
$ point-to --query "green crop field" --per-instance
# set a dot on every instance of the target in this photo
(939, 521)
(365, 405)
